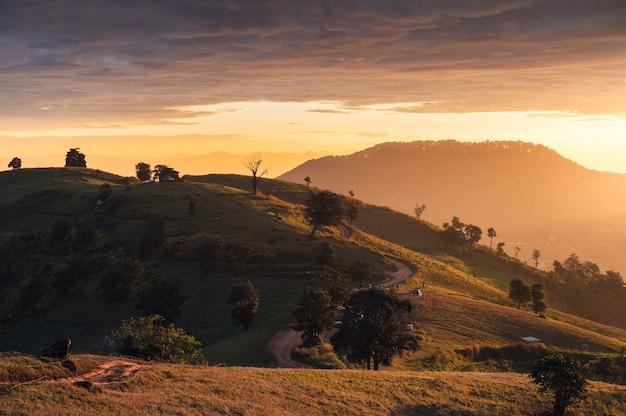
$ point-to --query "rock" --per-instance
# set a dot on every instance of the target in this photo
(58, 349)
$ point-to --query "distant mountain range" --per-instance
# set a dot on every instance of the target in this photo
(533, 197)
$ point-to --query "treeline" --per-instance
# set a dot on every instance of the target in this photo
(583, 289)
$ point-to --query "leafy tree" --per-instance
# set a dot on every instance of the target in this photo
(519, 292)
(536, 255)
(419, 210)
(164, 173)
(491, 233)
(313, 316)
(373, 329)
(308, 181)
(561, 375)
(473, 234)
(336, 283)
(143, 171)
(253, 164)
(245, 300)
(15, 163)
(501, 248)
(75, 158)
(537, 297)
(324, 208)
(359, 271)
(150, 338)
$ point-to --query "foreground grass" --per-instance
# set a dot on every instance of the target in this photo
(186, 390)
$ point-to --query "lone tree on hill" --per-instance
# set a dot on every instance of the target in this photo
(15, 163)
(491, 233)
(536, 255)
(245, 300)
(561, 375)
(519, 292)
(419, 210)
(253, 164)
(537, 297)
(144, 173)
(324, 208)
(313, 316)
(75, 158)
(308, 181)
(164, 173)
(373, 329)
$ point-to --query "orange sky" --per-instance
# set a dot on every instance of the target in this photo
(157, 78)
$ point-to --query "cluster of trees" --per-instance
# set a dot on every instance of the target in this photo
(521, 294)
(161, 173)
(582, 288)
(373, 321)
(324, 208)
(459, 237)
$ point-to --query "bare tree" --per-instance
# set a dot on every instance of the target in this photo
(419, 210)
(517, 250)
(253, 164)
(536, 255)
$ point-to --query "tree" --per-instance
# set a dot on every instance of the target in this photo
(491, 233)
(313, 316)
(501, 248)
(324, 208)
(536, 255)
(164, 173)
(373, 329)
(15, 163)
(517, 250)
(473, 234)
(308, 181)
(359, 271)
(561, 375)
(149, 337)
(352, 210)
(253, 164)
(537, 297)
(245, 300)
(143, 171)
(75, 158)
(519, 292)
(419, 210)
(335, 283)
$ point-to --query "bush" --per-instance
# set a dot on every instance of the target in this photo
(149, 337)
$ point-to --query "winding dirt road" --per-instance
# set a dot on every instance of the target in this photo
(285, 341)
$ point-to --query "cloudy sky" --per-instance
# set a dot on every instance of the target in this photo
(194, 76)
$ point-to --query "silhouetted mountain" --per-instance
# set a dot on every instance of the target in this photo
(533, 197)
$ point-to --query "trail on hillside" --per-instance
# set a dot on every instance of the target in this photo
(112, 371)
(285, 341)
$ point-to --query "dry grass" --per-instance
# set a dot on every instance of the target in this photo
(185, 390)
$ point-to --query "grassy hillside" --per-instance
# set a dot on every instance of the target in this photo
(185, 390)
(234, 235)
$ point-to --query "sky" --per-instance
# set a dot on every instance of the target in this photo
(144, 79)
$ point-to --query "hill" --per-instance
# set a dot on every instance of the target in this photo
(533, 197)
(186, 390)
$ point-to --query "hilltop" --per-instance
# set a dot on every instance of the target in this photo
(73, 268)
(533, 197)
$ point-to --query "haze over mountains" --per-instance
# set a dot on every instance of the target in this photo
(533, 197)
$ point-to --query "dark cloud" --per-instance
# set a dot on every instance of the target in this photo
(130, 59)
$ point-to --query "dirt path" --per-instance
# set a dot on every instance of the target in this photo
(285, 341)
(112, 371)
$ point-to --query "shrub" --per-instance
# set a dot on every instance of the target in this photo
(150, 338)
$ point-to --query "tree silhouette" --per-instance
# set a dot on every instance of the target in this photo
(253, 164)
(537, 296)
(15, 163)
(324, 208)
(75, 158)
(519, 292)
(373, 329)
(419, 210)
(491, 233)
(313, 316)
(308, 181)
(561, 375)
(143, 171)
(536, 255)
(245, 300)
